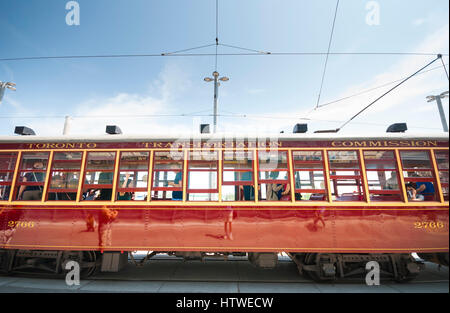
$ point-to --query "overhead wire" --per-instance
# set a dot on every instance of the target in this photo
(384, 94)
(176, 54)
(328, 53)
(374, 88)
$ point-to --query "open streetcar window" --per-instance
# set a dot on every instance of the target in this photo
(99, 175)
(345, 176)
(133, 176)
(442, 165)
(419, 175)
(7, 167)
(31, 176)
(64, 176)
(273, 176)
(382, 176)
(237, 179)
(203, 176)
(309, 176)
(167, 175)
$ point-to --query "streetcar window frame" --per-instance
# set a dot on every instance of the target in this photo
(155, 190)
(122, 172)
(309, 165)
(6, 181)
(414, 173)
(67, 192)
(211, 193)
(22, 169)
(104, 187)
(241, 186)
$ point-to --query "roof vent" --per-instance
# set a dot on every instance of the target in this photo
(204, 128)
(397, 128)
(300, 128)
(113, 130)
(24, 131)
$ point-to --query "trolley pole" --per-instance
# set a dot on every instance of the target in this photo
(440, 108)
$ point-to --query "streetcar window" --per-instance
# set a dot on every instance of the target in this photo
(31, 176)
(99, 175)
(273, 177)
(237, 179)
(442, 164)
(309, 176)
(64, 176)
(7, 167)
(202, 184)
(133, 176)
(382, 176)
(418, 174)
(167, 175)
(345, 176)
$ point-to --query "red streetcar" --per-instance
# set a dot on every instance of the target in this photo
(331, 203)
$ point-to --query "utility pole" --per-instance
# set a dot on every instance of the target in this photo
(440, 108)
(67, 125)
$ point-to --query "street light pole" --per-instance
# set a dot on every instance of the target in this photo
(3, 86)
(216, 93)
(440, 108)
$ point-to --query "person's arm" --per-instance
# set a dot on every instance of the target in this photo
(125, 183)
(287, 191)
(277, 188)
(22, 188)
(413, 194)
(421, 188)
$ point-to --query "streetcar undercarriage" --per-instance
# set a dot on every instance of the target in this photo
(317, 266)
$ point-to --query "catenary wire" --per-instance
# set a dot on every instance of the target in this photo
(384, 94)
(172, 54)
(328, 53)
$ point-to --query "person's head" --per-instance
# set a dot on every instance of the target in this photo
(411, 185)
(38, 165)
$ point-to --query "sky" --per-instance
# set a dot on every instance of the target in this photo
(265, 93)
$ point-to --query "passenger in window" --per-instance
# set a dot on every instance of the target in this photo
(92, 194)
(125, 184)
(30, 193)
(411, 190)
(4, 193)
(177, 182)
(286, 193)
(425, 189)
(272, 190)
(391, 183)
(248, 191)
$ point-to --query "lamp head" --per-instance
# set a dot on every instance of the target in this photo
(431, 98)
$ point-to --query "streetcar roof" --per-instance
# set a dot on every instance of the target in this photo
(221, 136)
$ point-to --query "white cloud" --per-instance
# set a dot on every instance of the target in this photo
(133, 113)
